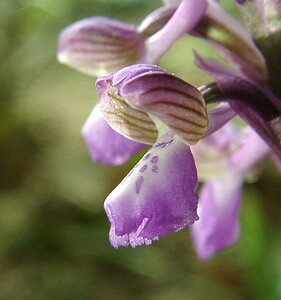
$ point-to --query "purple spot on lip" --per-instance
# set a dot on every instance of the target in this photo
(139, 182)
(154, 159)
(163, 144)
(155, 169)
(143, 168)
(147, 156)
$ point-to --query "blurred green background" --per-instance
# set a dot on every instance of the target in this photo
(53, 230)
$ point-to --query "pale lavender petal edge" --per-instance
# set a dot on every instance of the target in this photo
(105, 145)
(218, 225)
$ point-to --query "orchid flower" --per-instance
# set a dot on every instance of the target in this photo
(232, 153)
(143, 105)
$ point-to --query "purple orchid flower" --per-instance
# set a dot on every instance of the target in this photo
(158, 196)
(144, 105)
(149, 105)
(223, 170)
(125, 98)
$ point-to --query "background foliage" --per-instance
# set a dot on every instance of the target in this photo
(53, 230)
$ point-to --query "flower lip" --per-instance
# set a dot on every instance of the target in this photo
(146, 205)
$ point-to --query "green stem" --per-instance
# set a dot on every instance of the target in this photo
(211, 93)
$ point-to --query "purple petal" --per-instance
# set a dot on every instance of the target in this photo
(250, 153)
(188, 14)
(157, 197)
(218, 117)
(219, 203)
(133, 71)
(106, 145)
(218, 226)
(212, 152)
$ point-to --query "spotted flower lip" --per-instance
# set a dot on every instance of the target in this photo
(145, 205)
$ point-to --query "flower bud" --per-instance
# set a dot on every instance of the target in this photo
(99, 45)
(138, 91)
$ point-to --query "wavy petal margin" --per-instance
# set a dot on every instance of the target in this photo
(157, 197)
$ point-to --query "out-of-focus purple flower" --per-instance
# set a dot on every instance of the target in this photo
(231, 153)
(218, 225)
